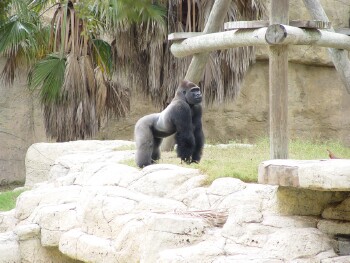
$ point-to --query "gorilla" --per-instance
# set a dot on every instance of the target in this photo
(183, 116)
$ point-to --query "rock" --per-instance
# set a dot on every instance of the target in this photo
(204, 252)
(161, 180)
(9, 248)
(41, 157)
(94, 209)
(332, 227)
(332, 174)
(290, 221)
(225, 186)
(45, 195)
(88, 248)
(338, 212)
(292, 244)
(28, 231)
(169, 231)
(343, 259)
(299, 201)
(7, 220)
(31, 251)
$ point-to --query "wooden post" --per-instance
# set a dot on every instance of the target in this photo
(339, 57)
(215, 21)
(278, 91)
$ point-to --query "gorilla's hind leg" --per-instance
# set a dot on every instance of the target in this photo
(144, 145)
(156, 149)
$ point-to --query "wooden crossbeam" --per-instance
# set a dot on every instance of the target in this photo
(257, 37)
(183, 35)
(264, 23)
(345, 31)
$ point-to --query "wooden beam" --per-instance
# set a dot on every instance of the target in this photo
(344, 30)
(278, 85)
(183, 35)
(215, 20)
(218, 41)
(287, 35)
(257, 37)
(339, 57)
(264, 23)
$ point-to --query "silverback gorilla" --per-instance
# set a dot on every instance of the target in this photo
(182, 116)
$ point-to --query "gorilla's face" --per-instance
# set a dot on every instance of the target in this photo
(193, 95)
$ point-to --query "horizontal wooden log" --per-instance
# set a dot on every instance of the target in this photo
(219, 41)
(183, 35)
(345, 31)
(264, 23)
(287, 35)
(256, 37)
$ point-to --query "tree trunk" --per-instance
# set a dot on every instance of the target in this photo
(339, 57)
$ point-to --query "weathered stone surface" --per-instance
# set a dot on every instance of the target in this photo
(305, 202)
(94, 209)
(339, 212)
(41, 156)
(343, 259)
(334, 227)
(291, 244)
(161, 180)
(88, 248)
(332, 174)
(9, 248)
(7, 220)
(31, 251)
(27, 231)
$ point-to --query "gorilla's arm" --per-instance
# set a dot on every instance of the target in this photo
(198, 133)
(182, 119)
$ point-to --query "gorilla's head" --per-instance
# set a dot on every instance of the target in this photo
(190, 92)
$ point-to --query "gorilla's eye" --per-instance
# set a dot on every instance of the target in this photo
(184, 92)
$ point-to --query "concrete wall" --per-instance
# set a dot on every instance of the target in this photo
(20, 126)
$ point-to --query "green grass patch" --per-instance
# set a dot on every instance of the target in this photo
(8, 199)
(242, 162)
(124, 148)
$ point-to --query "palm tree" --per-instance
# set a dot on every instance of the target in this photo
(68, 60)
(156, 72)
(93, 52)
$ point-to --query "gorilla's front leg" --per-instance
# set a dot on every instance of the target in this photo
(185, 145)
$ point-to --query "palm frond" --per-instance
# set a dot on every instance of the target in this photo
(103, 55)
(144, 48)
(18, 45)
(47, 76)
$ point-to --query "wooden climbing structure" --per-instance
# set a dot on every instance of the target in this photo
(277, 33)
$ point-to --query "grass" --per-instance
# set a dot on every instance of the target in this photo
(8, 199)
(243, 162)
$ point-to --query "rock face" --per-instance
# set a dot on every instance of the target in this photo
(92, 208)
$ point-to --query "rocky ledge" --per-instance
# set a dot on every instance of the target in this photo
(91, 208)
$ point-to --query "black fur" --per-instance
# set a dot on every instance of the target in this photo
(183, 116)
